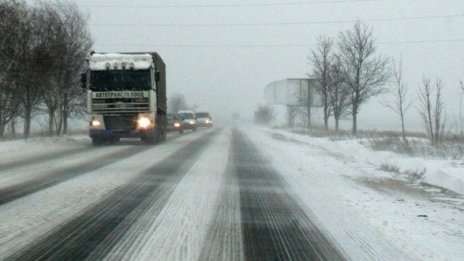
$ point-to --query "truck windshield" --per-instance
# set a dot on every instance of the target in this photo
(120, 80)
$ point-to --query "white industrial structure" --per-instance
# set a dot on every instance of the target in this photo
(294, 93)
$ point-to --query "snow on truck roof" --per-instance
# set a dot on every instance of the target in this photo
(185, 111)
(120, 61)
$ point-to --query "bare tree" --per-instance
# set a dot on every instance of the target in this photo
(400, 104)
(461, 85)
(177, 102)
(321, 60)
(366, 73)
(432, 111)
(340, 91)
(30, 66)
(264, 114)
(292, 113)
(74, 50)
(12, 13)
(52, 37)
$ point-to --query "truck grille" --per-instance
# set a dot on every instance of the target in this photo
(120, 105)
(120, 122)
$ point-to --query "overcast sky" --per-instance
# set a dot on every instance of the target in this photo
(222, 65)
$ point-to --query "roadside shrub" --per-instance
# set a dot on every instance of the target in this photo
(412, 176)
(415, 175)
(390, 168)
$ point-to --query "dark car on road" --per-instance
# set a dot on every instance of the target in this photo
(174, 124)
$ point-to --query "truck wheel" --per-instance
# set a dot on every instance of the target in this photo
(97, 141)
(164, 135)
(150, 138)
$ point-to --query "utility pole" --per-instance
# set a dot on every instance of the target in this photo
(460, 113)
(309, 103)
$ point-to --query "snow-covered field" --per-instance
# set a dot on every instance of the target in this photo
(361, 205)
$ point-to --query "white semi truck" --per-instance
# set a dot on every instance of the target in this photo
(126, 97)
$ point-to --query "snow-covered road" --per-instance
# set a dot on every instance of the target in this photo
(225, 194)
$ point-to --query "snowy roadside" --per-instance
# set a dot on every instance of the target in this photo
(369, 212)
(448, 174)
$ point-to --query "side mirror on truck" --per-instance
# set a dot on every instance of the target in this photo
(84, 81)
(157, 75)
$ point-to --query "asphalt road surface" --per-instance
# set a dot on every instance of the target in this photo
(205, 195)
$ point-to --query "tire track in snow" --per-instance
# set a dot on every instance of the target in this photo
(42, 157)
(57, 176)
(180, 231)
(93, 233)
(54, 177)
(224, 238)
(83, 148)
(274, 226)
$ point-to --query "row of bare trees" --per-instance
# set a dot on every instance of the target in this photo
(349, 73)
(430, 104)
(177, 103)
(42, 52)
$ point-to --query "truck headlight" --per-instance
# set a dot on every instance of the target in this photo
(207, 121)
(143, 122)
(95, 123)
(177, 125)
(192, 122)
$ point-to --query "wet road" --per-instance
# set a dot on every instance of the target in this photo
(208, 195)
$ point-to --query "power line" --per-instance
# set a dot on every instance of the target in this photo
(422, 41)
(276, 45)
(232, 4)
(410, 18)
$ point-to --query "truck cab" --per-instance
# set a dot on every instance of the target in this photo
(126, 97)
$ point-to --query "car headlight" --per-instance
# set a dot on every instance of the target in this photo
(95, 123)
(143, 122)
(177, 125)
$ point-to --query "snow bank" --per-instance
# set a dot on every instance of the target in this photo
(452, 179)
(448, 174)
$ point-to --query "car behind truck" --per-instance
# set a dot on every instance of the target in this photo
(204, 119)
(126, 97)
